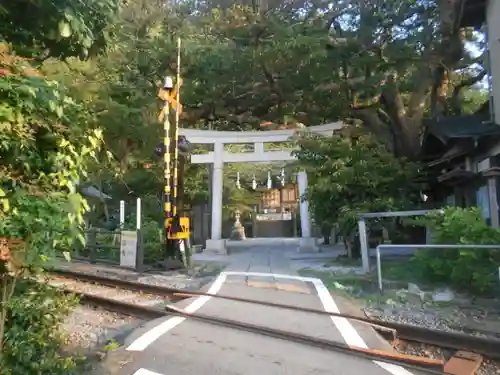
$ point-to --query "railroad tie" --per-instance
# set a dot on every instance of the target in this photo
(463, 363)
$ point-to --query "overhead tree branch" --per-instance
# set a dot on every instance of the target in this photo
(455, 99)
(375, 124)
(439, 92)
(272, 83)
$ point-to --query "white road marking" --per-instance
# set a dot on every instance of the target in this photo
(350, 335)
(143, 371)
(348, 332)
(154, 333)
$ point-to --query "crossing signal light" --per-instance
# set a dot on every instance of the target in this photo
(183, 146)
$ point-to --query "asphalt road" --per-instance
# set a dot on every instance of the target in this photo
(176, 346)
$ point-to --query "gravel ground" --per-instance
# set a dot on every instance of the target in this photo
(89, 328)
(107, 292)
(488, 367)
(192, 279)
(446, 317)
(449, 319)
(418, 349)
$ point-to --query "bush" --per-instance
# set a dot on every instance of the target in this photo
(33, 338)
(153, 246)
(471, 269)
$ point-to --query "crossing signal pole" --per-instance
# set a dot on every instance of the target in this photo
(176, 227)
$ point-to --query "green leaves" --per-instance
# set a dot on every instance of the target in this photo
(470, 269)
(64, 29)
(34, 336)
(4, 202)
(354, 175)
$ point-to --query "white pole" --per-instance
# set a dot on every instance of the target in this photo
(217, 186)
(365, 254)
(138, 213)
(122, 214)
(305, 218)
(379, 271)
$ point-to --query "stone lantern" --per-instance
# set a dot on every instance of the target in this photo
(238, 232)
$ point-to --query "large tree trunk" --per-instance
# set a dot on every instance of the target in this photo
(400, 122)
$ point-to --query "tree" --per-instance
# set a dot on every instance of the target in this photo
(350, 176)
(47, 142)
(44, 151)
(400, 62)
(45, 28)
(275, 64)
(389, 65)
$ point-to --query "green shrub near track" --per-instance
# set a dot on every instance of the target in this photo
(475, 270)
(34, 339)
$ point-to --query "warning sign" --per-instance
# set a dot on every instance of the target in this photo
(177, 231)
(170, 96)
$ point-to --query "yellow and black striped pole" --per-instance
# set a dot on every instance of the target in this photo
(176, 228)
(167, 200)
(176, 130)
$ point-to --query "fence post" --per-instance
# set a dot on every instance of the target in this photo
(139, 255)
(138, 214)
(365, 254)
(92, 244)
(122, 214)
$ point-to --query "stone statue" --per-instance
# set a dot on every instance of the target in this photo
(238, 232)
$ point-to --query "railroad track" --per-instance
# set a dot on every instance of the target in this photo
(475, 346)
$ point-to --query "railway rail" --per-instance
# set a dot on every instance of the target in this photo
(471, 348)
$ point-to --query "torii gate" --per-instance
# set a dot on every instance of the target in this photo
(258, 138)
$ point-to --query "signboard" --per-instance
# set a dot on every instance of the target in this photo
(274, 216)
(128, 249)
(183, 230)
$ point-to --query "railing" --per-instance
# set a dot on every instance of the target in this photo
(102, 246)
(105, 246)
(363, 240)
(456, 246)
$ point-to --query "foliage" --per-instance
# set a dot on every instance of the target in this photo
(33, 337)
(154, 250)
(45, 150)
(289, 64)
(298, 63)
(471, 269)
(36, 219)
(196, 183)
(46, 145)
(59, 29)
(350, 176)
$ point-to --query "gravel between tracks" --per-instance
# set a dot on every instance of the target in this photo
(488, 367)
(409, 313)
(89, 328)
(123, 295)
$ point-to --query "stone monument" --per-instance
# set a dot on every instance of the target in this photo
(238, 232)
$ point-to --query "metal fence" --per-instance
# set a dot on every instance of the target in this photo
(363, 239)
(102, 246)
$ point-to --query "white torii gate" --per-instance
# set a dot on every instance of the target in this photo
(258, 138)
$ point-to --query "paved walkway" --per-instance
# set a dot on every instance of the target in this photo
(181, 346)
